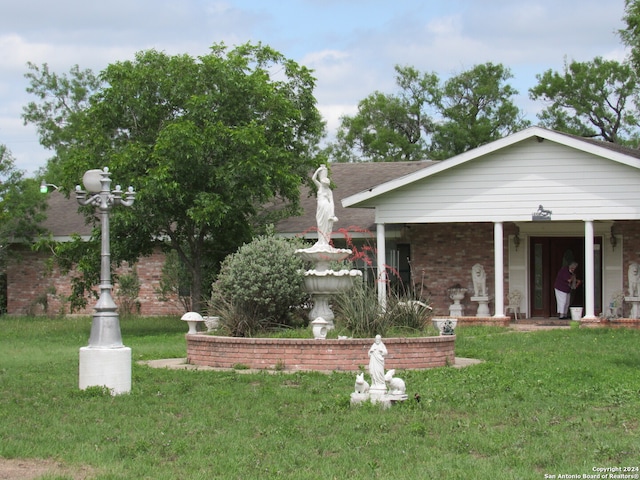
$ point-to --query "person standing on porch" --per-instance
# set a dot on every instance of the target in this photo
(566, 281)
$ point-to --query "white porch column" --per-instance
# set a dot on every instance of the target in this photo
(589, 271)
(382, 262)
(498, 268)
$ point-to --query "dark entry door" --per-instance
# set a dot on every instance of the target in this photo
(547, 256)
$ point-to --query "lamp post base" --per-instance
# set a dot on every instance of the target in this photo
(106, 367)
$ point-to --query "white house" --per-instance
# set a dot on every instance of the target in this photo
(432, 221)
(527, 202)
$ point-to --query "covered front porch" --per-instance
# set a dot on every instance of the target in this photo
(522, 207)
(519, 257)
(539, 322)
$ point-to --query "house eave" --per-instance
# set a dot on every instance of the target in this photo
(363, 199)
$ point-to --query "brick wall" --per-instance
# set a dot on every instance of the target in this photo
(33, 284)
(442, 255)
(319, 355)
(631, 253)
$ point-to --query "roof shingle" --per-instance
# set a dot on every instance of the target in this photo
(348, 178)
(63, 218)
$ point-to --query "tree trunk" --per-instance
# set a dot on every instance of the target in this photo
(196, 285)
(196, 292)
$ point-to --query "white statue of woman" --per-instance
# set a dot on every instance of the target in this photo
(377, 352)
(325, 211)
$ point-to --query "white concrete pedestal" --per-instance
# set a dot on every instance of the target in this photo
(108, 367)
(483, 306)
(635, 310)
(456, 309)
(378, 396)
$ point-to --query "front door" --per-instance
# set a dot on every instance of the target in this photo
(546, 256)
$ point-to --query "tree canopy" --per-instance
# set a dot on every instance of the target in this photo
(631, 34)
(476, 107)
(389, 127)
(21, 205)
(205, 141)
(592, 99)
(429, 119)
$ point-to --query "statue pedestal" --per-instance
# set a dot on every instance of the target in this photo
(378, 396)
(445, 326)
(483, 306)
(456, 309)
(635, 308)
(105, 367)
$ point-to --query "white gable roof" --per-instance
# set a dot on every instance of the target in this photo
(506, 180)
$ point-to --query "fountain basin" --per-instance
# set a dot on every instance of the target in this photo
(330, 254)
(322, 256)
(329, 281)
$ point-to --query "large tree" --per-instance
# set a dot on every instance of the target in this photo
(594, 99)
(205, 141)
(21, 205)
(631, 35)
(476, 107)
(60, 98)
(389, 127)
(427, 119)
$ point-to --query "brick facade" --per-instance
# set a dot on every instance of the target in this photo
(34, 287)
(442, 256)
(631, 233)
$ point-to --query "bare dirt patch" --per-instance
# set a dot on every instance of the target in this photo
(33, 469)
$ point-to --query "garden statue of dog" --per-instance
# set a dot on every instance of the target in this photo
(633, 276)
(479, 278)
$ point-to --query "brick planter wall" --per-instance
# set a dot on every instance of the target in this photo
(484, 321)
(622, 323)
(319, 355)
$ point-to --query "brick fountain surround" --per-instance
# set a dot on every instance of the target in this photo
(291, 354)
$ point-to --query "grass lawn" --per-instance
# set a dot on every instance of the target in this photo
(558, 402)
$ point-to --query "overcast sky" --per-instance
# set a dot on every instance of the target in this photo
(352, 45)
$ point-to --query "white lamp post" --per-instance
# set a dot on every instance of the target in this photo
(105, 361)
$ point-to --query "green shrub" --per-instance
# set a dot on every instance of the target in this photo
(259, 286)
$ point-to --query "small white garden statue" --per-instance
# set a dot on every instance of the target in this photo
(633, 276)
(384, 388)
(362, 386)
(377, 352)
(479, 279)
(396, 385)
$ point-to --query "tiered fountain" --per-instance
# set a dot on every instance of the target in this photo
(322, 282)
(329, 354)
